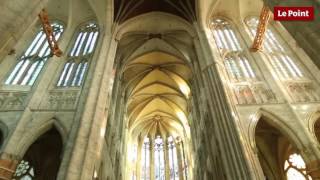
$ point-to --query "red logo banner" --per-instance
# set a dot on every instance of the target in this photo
(293, 13)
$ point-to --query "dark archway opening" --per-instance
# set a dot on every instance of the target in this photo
(279, 158)
(42, 159)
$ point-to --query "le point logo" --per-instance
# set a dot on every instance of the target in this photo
(293, 13)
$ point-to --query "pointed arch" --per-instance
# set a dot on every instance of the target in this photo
(279, 150)
(275, 121)
(133, 24)
(36, 131)
(43, 157)
(313, 122)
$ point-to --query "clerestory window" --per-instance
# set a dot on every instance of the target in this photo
(79, 56)
(281, 57)
(236, 62)
(32, 61)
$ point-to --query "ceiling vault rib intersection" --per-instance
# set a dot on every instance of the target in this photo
(126, 9)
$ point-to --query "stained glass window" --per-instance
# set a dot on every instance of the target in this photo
(34, 58)
(159, 162)
(76, 66)
(24, 171)
(295, 168)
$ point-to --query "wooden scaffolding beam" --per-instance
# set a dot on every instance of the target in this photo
(261, 29)
(43, 15)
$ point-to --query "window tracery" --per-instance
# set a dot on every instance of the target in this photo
(24, 171)
(76, 66)
(247, 87)
(230, 49)
(284, 62)
(34, 58)
(162, 148)
(281, 60)
(295, 168)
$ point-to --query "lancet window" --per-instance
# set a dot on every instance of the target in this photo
(236, 62)
(79, 56)
(281, 57)
(285, 64)
(32, 61)
(248, 89)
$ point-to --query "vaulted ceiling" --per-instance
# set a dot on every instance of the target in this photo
(158, 93)
(156, 74)
(126, 9)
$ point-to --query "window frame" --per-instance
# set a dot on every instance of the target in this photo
(295, 63)
(27, 42)
(70, 59)
(237, 54)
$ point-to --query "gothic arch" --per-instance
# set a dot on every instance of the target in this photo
(279, 150)
(248, 7)
(240, 9)
(314, 119)
(146, 53)
(275, 121)
(43, 157)
(101, 10)
(151, 46)
(206, 15)
(148, 19)
(33, 134)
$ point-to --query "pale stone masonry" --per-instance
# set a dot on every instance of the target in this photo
(170, 90)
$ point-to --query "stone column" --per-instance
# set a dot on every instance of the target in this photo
(152, 175)
(88, 139)
(220, 113)
(138, 161)
(166, 158)
(180, 160)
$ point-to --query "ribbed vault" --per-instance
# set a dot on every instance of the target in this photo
(157, 88)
